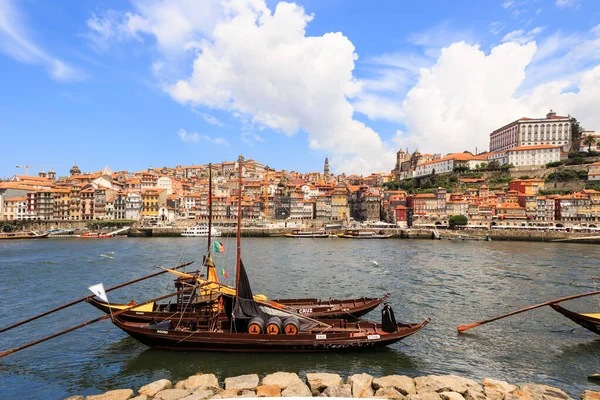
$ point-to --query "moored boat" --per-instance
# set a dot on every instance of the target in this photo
(200, 231)
(23, 235)
(296, 233)
(588, 321)
(358, 234)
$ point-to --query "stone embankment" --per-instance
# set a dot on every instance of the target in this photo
(284, 384)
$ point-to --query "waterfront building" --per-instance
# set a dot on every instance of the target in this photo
(152, 200)
(165, 182)
(553, 130)
(532, 156)
(61, 203)
(339, 204)
(15, 209)
(75, 202)
(87, 203)
(423, 204)
(545, 210)
(574, 207)
(133, 185)
(119, 202)
(46, 204)
(323, 207)
(510, 211)
(133, 206)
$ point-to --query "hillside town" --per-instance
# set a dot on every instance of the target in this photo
(163, 196)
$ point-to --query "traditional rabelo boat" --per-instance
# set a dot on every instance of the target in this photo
(23, 235)
(588, 321)
(296, 233)
(358, 234)
(241, 324)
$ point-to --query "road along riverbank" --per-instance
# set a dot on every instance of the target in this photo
(285, 384)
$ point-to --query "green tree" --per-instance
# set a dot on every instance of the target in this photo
(457, 220)
(576, 133)
(589, 141)
(493, 165)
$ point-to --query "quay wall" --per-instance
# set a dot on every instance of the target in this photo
(286, 384)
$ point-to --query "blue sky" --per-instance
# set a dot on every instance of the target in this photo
(147, 83)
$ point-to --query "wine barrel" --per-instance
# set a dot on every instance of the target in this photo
(273, 326)
(291, 326)
(256, 326)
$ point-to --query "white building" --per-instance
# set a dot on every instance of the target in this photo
(448, 163)
(164, 182)
(593, 147)
(533, 155)
(133, 206)
(552, 130)
(594, 172)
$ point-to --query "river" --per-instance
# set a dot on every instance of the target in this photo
(453, 282)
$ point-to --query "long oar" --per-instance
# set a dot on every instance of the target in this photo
(462, 328)
(88, 297)
(7, 352)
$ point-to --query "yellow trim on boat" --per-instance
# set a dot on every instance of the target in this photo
(592, 315)
(143, 308)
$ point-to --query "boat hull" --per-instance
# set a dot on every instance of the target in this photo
(586, 321)
(369, 337)
(343, 309)
(16, 235)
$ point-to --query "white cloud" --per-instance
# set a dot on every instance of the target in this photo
(566, 3)
(188, 137)
(508, 4)
(15, 42)
(520, 36)
(208, 118)
(194, 137)
(496, 27)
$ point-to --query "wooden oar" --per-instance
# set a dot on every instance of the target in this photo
(462, 328)
(7, 352)
(88, 297)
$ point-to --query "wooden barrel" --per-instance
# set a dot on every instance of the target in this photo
(291, 326)
(273, 326)
(256, 326)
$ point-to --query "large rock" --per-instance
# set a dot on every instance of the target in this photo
(534, 391)
(281, 379)
(269, 390)
(297, 390)
(172, 394)
(471, 394)
(152, 388)
(242, 382)
(200, 395)
(76, 397)
(590, 395)
(200, 382)
(388, 393)
(424, 396)
(451, 396)
(362, 385)
(319, 382)
(497, 390)
(338, 391)
(120, 394)
(445, 383)
(229, 393)
(401, 383)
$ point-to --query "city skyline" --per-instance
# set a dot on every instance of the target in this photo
(139, 84)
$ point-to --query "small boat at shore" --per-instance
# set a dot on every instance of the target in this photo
(588, 321)
(296, 233)
(200, 231)
(23, 235)
(358, 234)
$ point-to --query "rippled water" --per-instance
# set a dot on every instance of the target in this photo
(453, 282)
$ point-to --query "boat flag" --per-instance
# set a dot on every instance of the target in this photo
(224, 273)
(219, 248)
(98, 290)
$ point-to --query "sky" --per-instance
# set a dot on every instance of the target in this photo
(147, 83)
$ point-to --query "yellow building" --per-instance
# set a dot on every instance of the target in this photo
(152, 200)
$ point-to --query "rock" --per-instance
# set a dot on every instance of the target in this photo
(296, 390)
(451, 396)
(424, 396)
(590, 395)
(471, 394)
(139, 398)
(533, 391)
(229, 393)
(76, 397)
(445, 383)
(120, 394)
(362, 385)
(281, 379)
(496, 390)
(172, 394)
(242, 382)
(200, 381)
(217, 396)
(319, 382)
(270, 390)
(152, 388)
(248, 393)
(401, 383)
(388, 392)
(200, 395)
(338, 391)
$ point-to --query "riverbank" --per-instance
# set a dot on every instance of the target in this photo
(285, 384)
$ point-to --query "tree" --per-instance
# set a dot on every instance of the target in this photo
(589, 141)
(457, 220)
(493, 165)
(576, 133)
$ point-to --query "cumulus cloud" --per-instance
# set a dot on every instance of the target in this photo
(188, 137)
(16, 43)
(194, 137)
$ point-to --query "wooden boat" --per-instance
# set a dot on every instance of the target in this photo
(588, 321)
(296, 233)
(349, 309)
(23, 235)
(358, 234)
(91, 235)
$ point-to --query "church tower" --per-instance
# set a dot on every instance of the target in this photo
(326, 168)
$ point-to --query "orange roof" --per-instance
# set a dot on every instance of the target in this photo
(455, 157)
(425, 195)
(538, 147)
(16, 199)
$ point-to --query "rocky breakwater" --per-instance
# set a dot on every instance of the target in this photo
(285, 384)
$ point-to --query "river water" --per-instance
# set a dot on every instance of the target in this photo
(453, 282)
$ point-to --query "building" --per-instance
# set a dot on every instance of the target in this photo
(531, 156)
(553, 130)
(527, 187)
(594, 172)
(448, 163)
(133, 206)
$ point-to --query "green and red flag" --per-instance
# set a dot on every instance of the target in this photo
(224, 273)
(218, 247)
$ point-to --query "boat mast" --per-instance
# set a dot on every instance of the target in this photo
(209, 214)
(239, 226)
